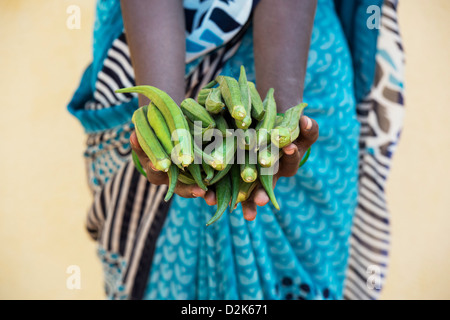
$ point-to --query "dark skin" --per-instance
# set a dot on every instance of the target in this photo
(281, 44)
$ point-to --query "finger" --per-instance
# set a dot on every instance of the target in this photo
(153, 175)
(249, 210)
(210, 198)
(290, 161)
(189, 191)
(136, 146)
(259, 197)
(309, 132)
(294, 152)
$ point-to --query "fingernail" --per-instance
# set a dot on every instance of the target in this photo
(308, 123)
(196, 193)
(289, 150)
(132, 141)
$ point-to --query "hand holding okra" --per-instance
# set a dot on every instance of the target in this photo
(251, 145)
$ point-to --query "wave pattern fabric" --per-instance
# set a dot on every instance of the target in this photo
(333, 223)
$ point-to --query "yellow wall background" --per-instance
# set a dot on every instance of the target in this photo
(44, 194)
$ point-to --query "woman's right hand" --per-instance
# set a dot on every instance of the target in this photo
(157, 177)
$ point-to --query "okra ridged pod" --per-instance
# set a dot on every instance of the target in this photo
(174, 118)
(203, 95)
(266, 158)
(223, 194)
(235, 176)
(209, 172)
(265, 126)
(195, 112)
(223, 155)
(305, 157)
(249, 172)
(181, 155)
(243, 124)
(195, 131)
(289, 128)
(222, 125)
(214, 103)
(219, 175)
(186, 178)
(173, 178)
(231, 94)
(246, 101)
(149, 141)
(196, 173)
(208, 158)
(210, 85)
(159, 126)
(267, 183)
(245, 190)
(279, 119)
(257, 104)
(248, 140)
(137, 163)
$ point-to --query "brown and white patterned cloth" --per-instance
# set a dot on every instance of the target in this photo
(381, 116)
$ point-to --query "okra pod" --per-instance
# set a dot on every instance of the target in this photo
(209, 172)
(149, 141)
(219, 175)
(231, 94)
(137, 163)
(257, 104)
(196, 173)
(265, 126)
(305, 157)
(210, 85)
(223, 155)
(267, 183)
(223, 194)
(245, 190)
(245, 99)
(195, 112)
(203, 95)
(174, 118)
(173, 178)
(222, 125)
(186, 178)
(266, 158)
(214, 103)
(249, 172)
(289, 128)
(159, 126)
(235, 176)
(279, 119)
